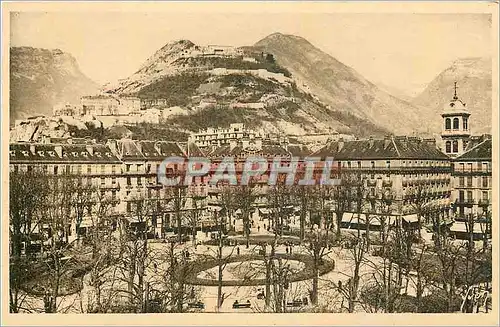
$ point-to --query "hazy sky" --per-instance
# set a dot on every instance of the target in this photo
(404, 51)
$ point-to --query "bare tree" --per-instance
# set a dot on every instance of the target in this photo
(417, 198)
(320, 245)
(104, 250)
(245, 196)
(26, 190)
(134, 248)
(349, 291)
(302, 197)
(448, 255)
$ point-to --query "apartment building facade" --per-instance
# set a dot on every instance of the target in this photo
(472, 189)
(410, 173)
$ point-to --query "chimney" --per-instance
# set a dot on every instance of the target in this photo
(112, 145)
(258, 143)
(232, 144)
(58, 149)
(245, 143)
(387, 141)
(340, 143)
(32, 148)
(158, 147)
(90, 149)
(430, 142)
(370, 141)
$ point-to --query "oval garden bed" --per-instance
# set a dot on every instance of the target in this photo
(256, 240)
(198, 266)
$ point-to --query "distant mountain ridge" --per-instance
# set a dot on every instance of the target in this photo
(42, 78)
(282, 84)
(474, 80)
(340, 86)
(237, 84)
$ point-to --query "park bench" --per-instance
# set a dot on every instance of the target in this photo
(196, 305)
(297, 303)
(237, 305)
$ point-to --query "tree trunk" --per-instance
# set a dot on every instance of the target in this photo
(268, 282)
(314, 293)
(302, 224)
(339, 221)
(220, 271)
(179, 226)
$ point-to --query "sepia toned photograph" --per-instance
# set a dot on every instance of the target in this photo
(178, 158)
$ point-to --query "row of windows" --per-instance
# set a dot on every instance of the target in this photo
(470, 197)
(452, 147)
(89, 169)
(482, 182)
(404, 163)
(456, 123)
(480, 166)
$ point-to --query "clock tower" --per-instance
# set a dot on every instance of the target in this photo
(456, 128)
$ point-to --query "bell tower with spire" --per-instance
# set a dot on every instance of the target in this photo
(456, 128)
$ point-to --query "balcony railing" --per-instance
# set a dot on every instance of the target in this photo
(115, 186)
(473, 171)
(465, 202)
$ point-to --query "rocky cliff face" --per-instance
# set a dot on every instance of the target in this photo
(341, 87)
(41, 78)
(473, 77)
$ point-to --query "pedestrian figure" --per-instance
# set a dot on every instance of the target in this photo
(287, 250)
(291, 247)
(258, 228)
(238, 250)
(264, 226)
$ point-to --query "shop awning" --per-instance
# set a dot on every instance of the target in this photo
(352, 218)
(374, 220)
(461, 227)
(86, 223)
(410, 218)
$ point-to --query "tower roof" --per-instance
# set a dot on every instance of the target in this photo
(455, 105)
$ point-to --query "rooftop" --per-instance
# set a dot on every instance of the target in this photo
(399, 147)
(481, 151)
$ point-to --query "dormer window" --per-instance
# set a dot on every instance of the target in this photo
(25, 153)
(41, 153)
(85, 154)
(75, 154)
(108, 154)
(12, 153)
(51, 153)
(98, 154)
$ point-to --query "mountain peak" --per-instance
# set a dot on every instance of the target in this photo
(178, 43)
(41, 78)
(280, 37)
